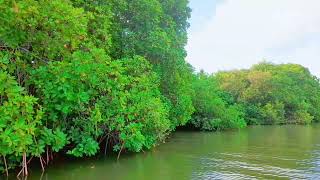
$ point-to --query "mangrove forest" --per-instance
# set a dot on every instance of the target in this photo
(85, 78)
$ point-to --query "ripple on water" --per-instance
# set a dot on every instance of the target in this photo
(217, 168)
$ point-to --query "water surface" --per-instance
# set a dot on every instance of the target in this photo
(266, 152)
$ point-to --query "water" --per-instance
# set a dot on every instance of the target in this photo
(266, 152)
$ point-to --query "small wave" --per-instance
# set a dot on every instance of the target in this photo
(220, 168)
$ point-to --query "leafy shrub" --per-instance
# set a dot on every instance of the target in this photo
(20, 122)
(273, 113)
(212, 110)
(91, 97)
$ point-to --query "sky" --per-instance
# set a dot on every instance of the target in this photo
(233, 34)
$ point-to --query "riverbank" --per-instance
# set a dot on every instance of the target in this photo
(289, 151)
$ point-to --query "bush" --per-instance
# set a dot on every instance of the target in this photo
(91, 97)
(20, 123)
(214, 109)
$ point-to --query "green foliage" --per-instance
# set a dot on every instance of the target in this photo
(48, 29)
(20, 121)
(274, 94)
(78, 77)
(90, 96)
(156, 30)
(81, 60)
(273, 113)
(55, 139)
(213, 111)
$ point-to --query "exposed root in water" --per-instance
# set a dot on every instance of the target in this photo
(120, 151)
(106, 146)
(24, 170)
(6, 166)
(48, 159)
(41, 162)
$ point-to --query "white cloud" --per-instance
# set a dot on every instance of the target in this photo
(243, 32)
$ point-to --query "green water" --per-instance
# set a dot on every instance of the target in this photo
(267, 152)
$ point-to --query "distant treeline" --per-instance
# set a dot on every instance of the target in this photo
(84, 77)
(265, 94)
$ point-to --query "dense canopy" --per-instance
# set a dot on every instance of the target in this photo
(274, 94)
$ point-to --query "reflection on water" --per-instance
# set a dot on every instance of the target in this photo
(267, 152)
